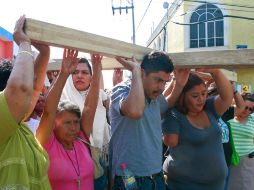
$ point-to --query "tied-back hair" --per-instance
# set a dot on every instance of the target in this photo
(5, 72)
(193, 80)
(69, 107)
(157, 61)
(85, 61)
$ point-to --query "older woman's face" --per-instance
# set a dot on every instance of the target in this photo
(67, 127)
(81, 77)
(249, 108)
(195, 98)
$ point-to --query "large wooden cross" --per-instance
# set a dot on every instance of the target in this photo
(60, 36)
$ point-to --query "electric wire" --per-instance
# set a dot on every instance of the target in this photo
(143, 16)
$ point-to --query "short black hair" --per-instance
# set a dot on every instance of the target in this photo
(5, 72)
(157, 61)
(85, 61)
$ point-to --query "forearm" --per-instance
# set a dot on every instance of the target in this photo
(225, 92)
(48, 117)
(176, 92)
(19, 88)
(133, 106)
(223, 86)
(90, 104)
(169, 89)
(40, 68)
(239, 102)
(55, 91)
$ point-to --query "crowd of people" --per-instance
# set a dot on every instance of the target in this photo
(48, 135)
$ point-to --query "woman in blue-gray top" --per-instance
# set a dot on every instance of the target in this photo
(196, 160)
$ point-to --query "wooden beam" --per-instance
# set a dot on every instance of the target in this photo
(231, 75)
(66, 37)
(60, 36)
(55, 64)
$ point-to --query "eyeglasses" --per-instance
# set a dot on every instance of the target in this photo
(251, 109)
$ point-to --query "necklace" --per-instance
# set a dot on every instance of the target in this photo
(77, 170)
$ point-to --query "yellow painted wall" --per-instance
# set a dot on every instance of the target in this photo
(242, 32)
(176, 32)
(237, 31)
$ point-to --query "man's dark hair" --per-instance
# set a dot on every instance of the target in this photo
(157, 61)
(85, 61)
(5, 71)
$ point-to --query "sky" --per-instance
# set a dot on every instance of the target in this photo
(94, 16)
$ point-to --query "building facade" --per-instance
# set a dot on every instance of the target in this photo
(208, 26)
(6, 44)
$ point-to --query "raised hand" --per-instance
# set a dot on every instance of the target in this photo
(18, 34)
(206, 70)
(181, 76)
(42, 48)
(129, 64)
(70, 61)
(96, 61)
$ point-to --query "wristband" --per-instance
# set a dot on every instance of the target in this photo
(26, 53)
(235, 92)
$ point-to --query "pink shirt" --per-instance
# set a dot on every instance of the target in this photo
(62, 174)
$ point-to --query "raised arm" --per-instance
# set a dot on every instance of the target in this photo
(40, 68)
(19, 89)
(225, 91)
(133, 106)
(92, 97)
(181, 77)
(46, 126)
(239, 102)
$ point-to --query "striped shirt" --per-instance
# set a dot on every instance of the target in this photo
(243, 135)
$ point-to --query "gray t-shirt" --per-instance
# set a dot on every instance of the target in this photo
(136, 142)
(198, 161)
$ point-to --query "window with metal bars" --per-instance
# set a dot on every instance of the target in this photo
(209, 30)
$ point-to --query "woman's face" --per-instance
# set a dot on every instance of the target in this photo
(249, 108)
(195, 98)
(67, 127)
(81, 77)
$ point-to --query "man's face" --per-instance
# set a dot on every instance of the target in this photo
(154, 83)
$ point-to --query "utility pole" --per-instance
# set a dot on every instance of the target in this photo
(126, 8)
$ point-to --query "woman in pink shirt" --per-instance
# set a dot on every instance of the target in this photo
(71, 165)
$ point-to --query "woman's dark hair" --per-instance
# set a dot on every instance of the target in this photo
(5, 72)
(157, 61)
(247, 96)
(193, 80)
(85, 61)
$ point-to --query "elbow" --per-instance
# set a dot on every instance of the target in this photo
(171, 144)
(170, 140)
(22, 89)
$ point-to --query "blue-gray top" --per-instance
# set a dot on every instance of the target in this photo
(138, 143)
(198, 161)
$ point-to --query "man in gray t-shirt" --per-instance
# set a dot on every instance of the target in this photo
(135, 116)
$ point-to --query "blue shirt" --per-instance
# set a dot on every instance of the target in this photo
(198, 160)
(136, 142)
(225, 131)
